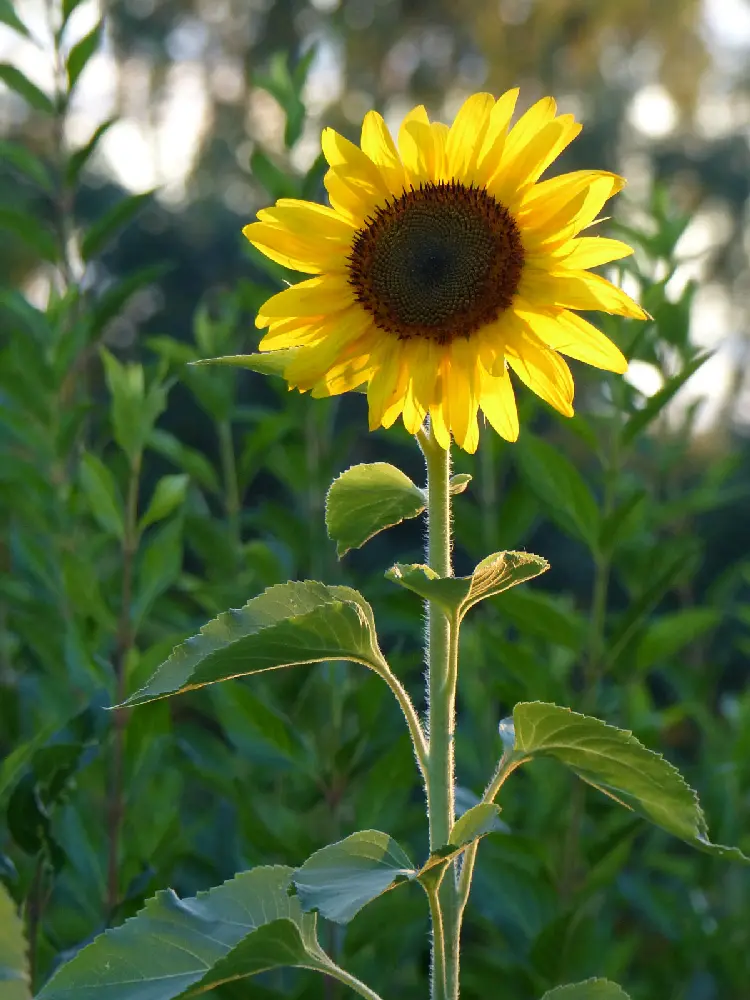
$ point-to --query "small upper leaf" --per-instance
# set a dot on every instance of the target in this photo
(340, 879)
(81, 53)
(367, 499)
(14, 973)
(476, 822)
(456, 595)
(247, 925)
(591, 989)
(289, 624)
(616, 763)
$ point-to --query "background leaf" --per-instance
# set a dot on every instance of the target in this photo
(591, 989)
(14, 973)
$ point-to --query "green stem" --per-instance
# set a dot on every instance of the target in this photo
(442, 669)
(336, 972)
(232, 499)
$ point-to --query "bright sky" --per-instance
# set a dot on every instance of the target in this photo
(156, 146)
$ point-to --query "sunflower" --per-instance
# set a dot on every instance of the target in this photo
(443, 264)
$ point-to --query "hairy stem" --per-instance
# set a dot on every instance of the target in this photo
(442, 667)
(336, 972)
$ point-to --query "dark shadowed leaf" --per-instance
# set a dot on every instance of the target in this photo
(456, 595)
(29, 229)
(290, 624)
(111, 223)
(180, 947)
(616, 763)
(26, 163)
(340, 879)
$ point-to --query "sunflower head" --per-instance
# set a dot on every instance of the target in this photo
(442, 264)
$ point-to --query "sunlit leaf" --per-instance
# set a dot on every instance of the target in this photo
(591, 989)
(340, 879)
(181, 947)
(476, 822)
(15, 79)
(367, 499)
(14, 973)
(289, 624)
(616, 763)
(456, 595)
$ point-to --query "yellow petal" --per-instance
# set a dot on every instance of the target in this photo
(498, 403)
(529, 125)
(299, 217)
(343, 341)
(571, 334)
(592, 251)
(383, 385)
(556, 197)
(577, 290)
(344, 156)
(491, 151)
(314, 297)
(313, 253)
(378, 144)
(466, 135)
(416, 145)
(353, 197)
(414, 410)
(439, 132)
(542, 370)
(439, 424)
(461, 395)
(521, 170)
(292, 332)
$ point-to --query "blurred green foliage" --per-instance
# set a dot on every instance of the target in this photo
(139, 496)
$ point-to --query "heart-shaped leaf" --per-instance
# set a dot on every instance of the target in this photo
(340, 879)
(367, 499)
(456, 595)
(287, 625)
(616, 763)
(181, 947)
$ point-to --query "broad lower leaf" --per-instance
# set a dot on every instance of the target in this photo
(591, 989)
(616, 763)
(287, 625)
(340, 879)
(367, 499)
(14, 973)
(476, 822)
(175, 947)
(456, 595)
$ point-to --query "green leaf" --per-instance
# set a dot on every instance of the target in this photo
(640, 420)
(456, 595)
(277, 183)
(12, 766)
(168, 496)
(287, 625)
(591, 989)
(107, 227)
(560, 487)
(159, 565)
(616, 763)
(476, 822)
(8, 16)
(271, 363)
(668, 634)
(367, 499)
(100, 490)
(33, 233)
(342, 878)
(81, 53)
(135, 408)
(78, 159)
(25, 162)
(29, 91)
(177, 947)
(14, 972)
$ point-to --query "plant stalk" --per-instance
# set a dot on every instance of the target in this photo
(442, 665)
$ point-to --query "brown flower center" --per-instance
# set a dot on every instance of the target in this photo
(439, 262)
